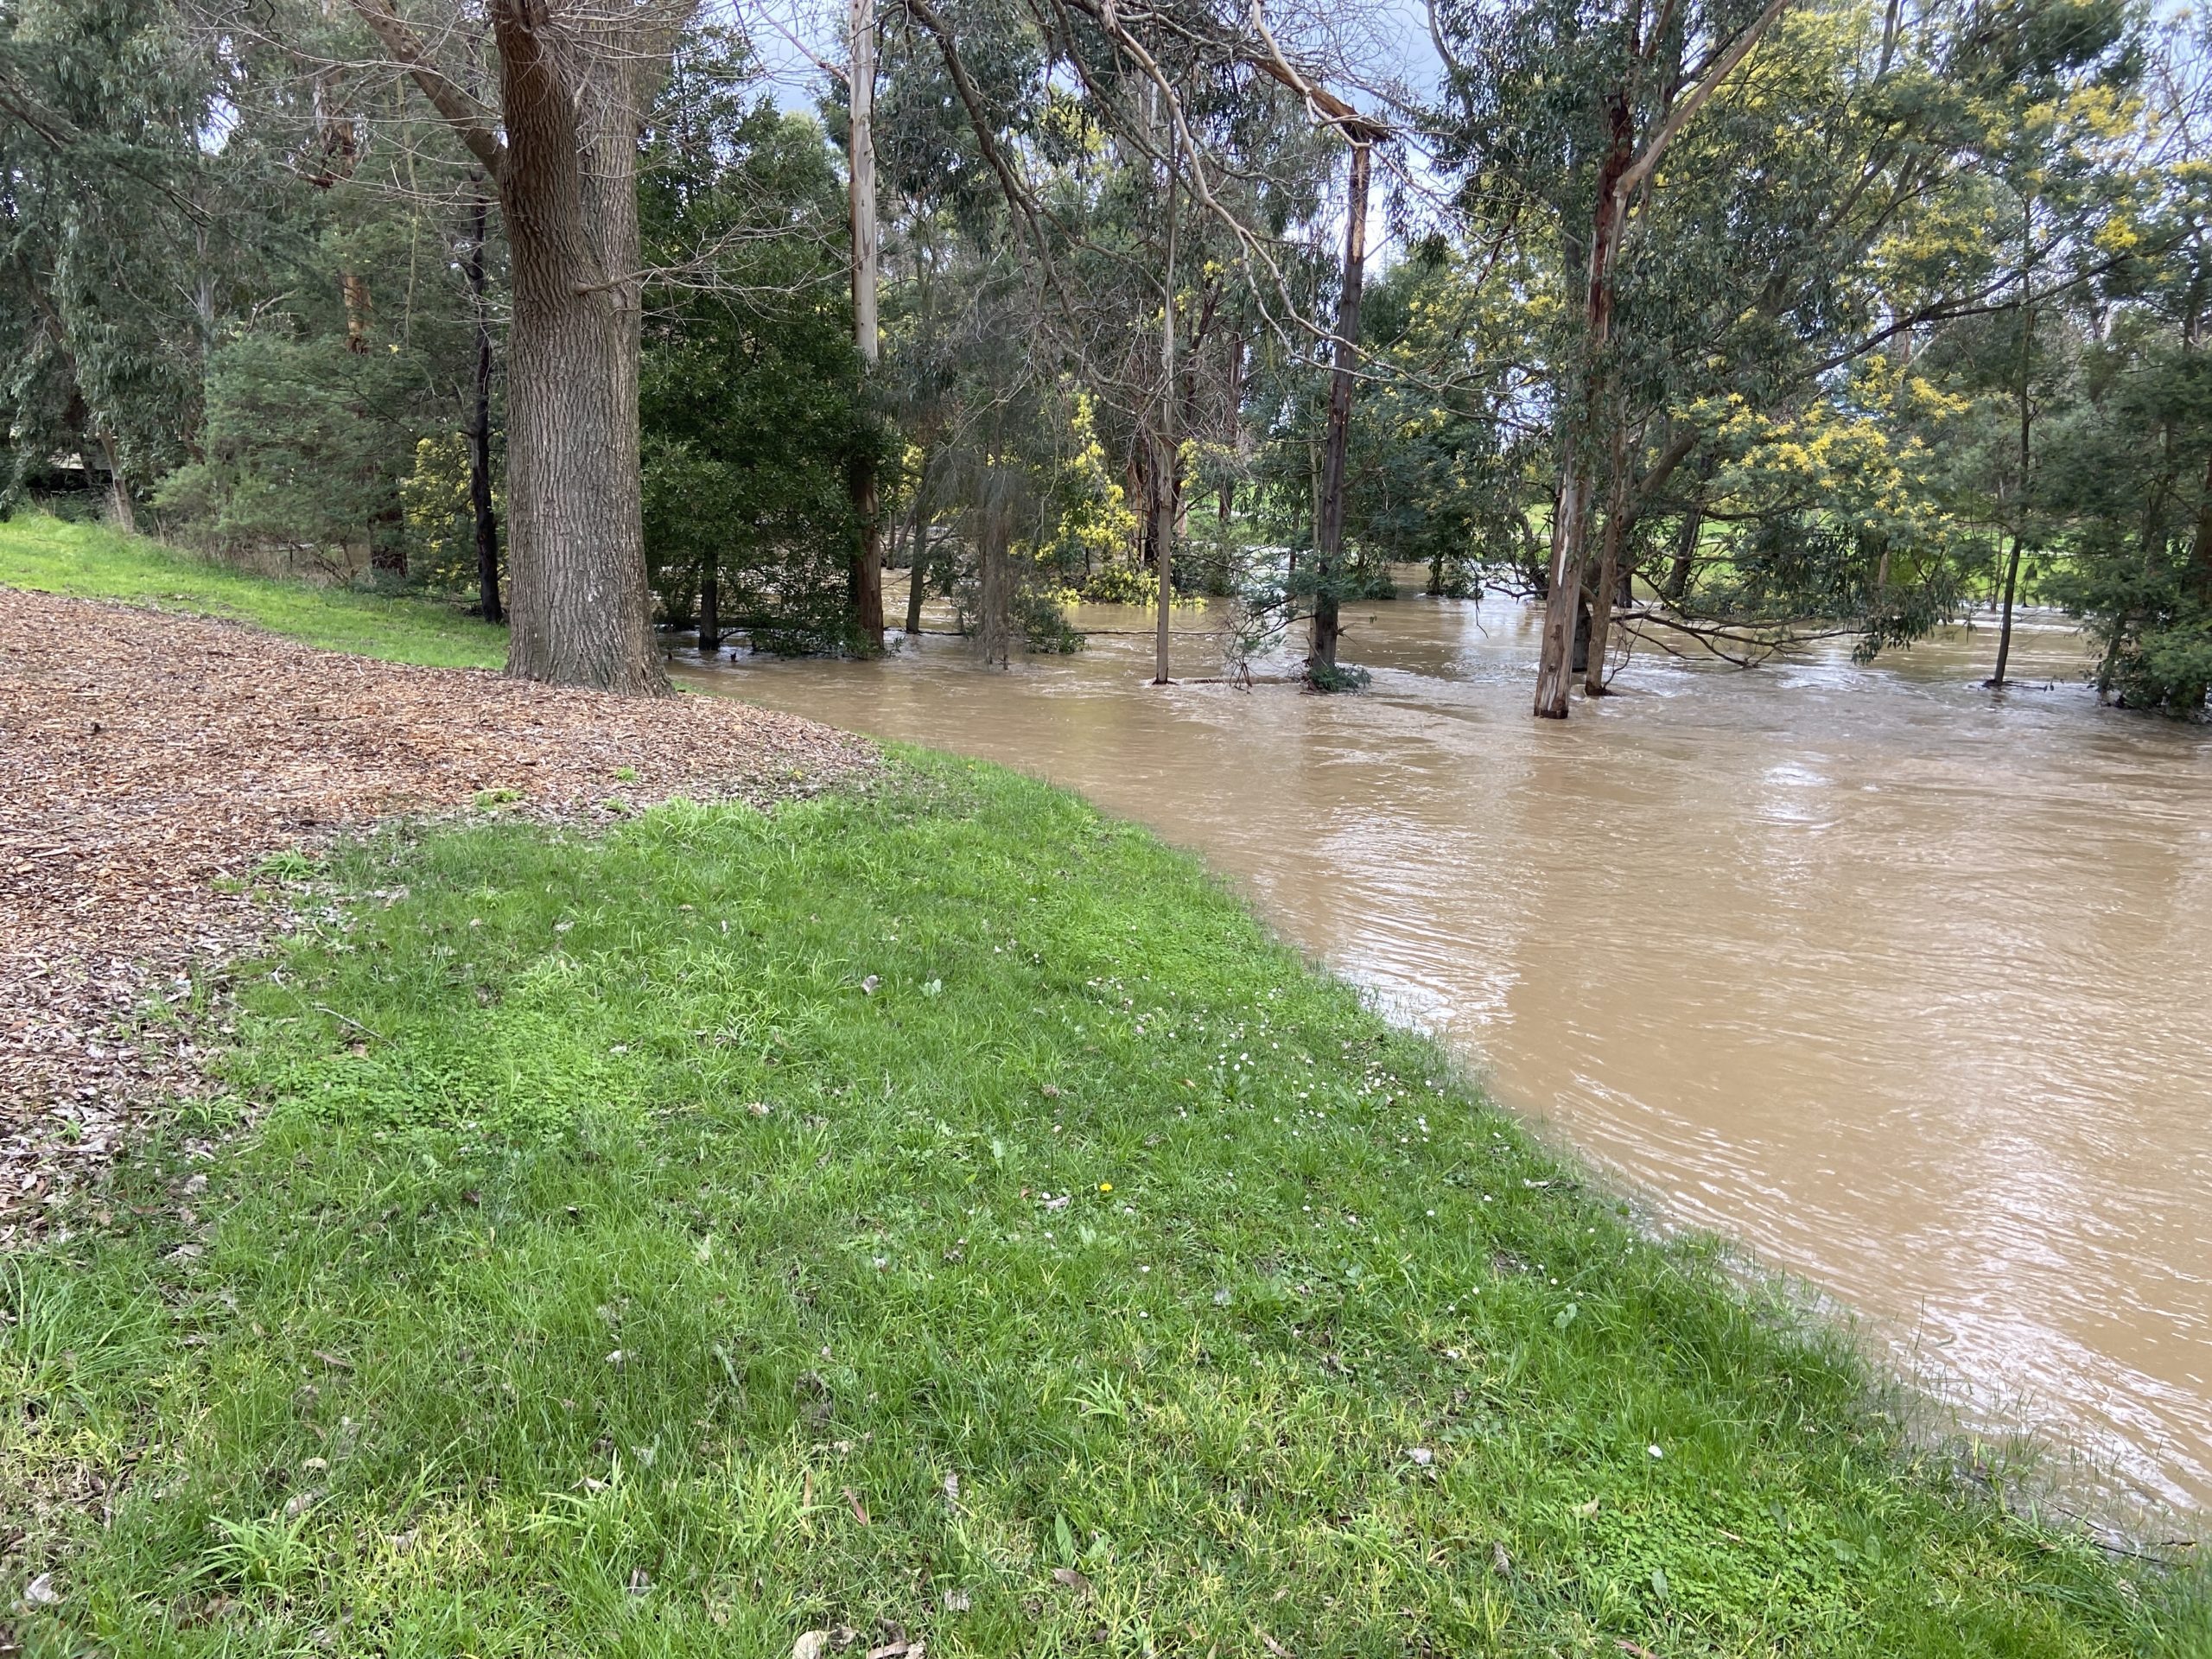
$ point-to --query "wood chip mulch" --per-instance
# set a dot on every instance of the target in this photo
(144, 756)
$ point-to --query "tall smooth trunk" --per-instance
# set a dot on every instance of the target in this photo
(1329, 506)
(2027, 417)
(918, 540)
(119, 487)
(2004, 627)
(1163, 531)
(1571, 515)
(1602, 596)
(867, 571)
(1563, 584)
(1164, 464)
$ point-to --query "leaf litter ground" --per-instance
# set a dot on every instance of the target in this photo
(150, 764)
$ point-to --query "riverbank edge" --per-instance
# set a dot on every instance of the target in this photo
(1547, 1184)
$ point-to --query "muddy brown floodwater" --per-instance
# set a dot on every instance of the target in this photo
(1904, 984)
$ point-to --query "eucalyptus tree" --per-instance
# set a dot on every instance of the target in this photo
(123, 236)
(1561, 111)
(1160, 165)
(2124, 480)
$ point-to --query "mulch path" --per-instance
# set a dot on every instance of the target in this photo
(145, 755)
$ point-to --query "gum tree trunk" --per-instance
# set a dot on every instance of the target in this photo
(867, 573)
(1624, 172)
(1329, 506)
(1602, 596)
(2026, 450)
(119, 487)
(918, 540)
(1555, 666)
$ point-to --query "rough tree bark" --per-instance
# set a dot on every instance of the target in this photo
(867, 571)
(572, 84)
(1329, 506)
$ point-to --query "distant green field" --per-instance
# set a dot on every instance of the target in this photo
(89, 561)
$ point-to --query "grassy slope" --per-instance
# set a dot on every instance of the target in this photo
(90, 561)
(520, 1297)
(512, 1328)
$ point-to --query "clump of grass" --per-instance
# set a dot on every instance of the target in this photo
(91, 561)
(937, 1213)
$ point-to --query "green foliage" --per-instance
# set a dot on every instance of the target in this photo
(306, 449)
(116, 222)
(950, 1156)
(1116, 583)
(441, 518)
(752, 408)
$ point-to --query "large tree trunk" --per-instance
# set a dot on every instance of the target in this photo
(581, 607)
(1563, 582)
(1329, 507)
(562, 148)
(1623, 173)
(711, 607)
(2026, 452)
(480, 429)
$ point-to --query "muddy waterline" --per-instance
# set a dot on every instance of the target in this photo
(1904, 984)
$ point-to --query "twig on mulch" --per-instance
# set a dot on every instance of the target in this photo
(145, 757)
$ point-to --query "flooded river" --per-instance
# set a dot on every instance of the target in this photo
(1904, 984)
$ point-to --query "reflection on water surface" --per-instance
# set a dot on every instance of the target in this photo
(1902, 982)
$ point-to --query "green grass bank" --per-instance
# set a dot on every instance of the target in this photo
(940, 1212)
(86, 560)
